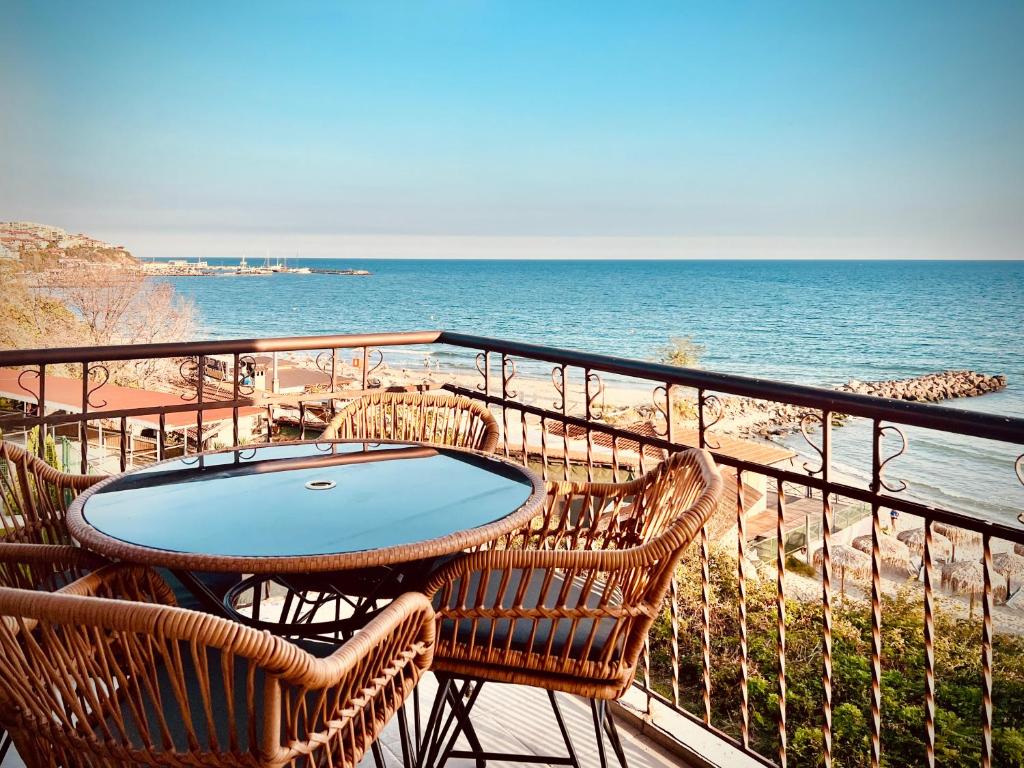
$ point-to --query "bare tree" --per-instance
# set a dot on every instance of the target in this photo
(116, 305)
(92, 306)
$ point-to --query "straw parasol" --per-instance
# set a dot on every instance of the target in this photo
(968, 577)
(914, 539)
(892, 552)
(845, 560)
(958, 537)
(1011, 566)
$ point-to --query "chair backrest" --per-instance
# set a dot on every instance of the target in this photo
(425, 418)
(35, 497)
(91, 680)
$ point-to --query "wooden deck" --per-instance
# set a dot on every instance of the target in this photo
(796, 510)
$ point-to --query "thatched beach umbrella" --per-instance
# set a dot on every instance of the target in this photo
(958, 537)
(845, 560)
(1011, 566)
(968, 578)
(892, 552)
(914, 539)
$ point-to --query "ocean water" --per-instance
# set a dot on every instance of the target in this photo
(815, 322)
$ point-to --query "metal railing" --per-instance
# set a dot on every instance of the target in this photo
(564, 428)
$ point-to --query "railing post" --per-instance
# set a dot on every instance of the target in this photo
(83, 432)
(236, 389)
(200, 387)
(780, 574)
(41, 399)
(986, 654)
(826, 591)
(876, 599)
(741, 558)
(929, 648)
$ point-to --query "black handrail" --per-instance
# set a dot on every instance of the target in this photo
(59, 355)
(927, 415)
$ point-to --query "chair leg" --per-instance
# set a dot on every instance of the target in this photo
(461, 711)
(439, 744)
(416, 724)
(597, 709)
(574, 760)
(428, 749)
(378, 755)
(5, 744)
(444, 724)
(613, 736)
(403, 735)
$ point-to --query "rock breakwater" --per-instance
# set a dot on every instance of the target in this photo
(746, 416)
(931, 388)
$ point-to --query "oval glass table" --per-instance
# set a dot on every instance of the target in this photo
(322, 517)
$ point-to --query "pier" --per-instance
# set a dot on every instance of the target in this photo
(354, 272)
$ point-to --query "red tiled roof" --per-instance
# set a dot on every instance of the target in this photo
(66, 394)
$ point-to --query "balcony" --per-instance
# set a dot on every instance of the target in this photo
(822, 616)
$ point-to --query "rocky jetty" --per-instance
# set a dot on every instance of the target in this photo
(931, 388)
(746, 416)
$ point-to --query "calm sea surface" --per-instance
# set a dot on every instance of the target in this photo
(812, 322)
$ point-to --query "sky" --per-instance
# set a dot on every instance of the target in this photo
(841, 129)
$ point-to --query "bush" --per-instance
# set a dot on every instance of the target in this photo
(957, 661)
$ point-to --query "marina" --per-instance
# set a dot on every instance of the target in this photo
(202, 268)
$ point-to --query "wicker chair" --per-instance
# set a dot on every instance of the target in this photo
(36, 497)
(46, 567)
(566, 603)
(423, 418)
(86, 680)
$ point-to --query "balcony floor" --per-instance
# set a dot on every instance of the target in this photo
(511, 718)
(517, 719)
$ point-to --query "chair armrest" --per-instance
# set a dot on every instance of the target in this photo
(44, 566)
(67, 555)
(136, 583)
(407, 625)
(338, 705)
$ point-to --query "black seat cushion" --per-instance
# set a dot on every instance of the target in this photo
(172, 710)
(521, 629)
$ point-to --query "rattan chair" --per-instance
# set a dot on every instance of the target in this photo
(86, 680)
(36, 497)
(46, 567)
(422, 418)
(566, 603)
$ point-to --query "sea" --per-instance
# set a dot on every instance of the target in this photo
(812, 322)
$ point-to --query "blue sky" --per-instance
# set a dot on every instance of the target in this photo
(175, 125)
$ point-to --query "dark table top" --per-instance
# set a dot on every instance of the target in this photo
(305, 507)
